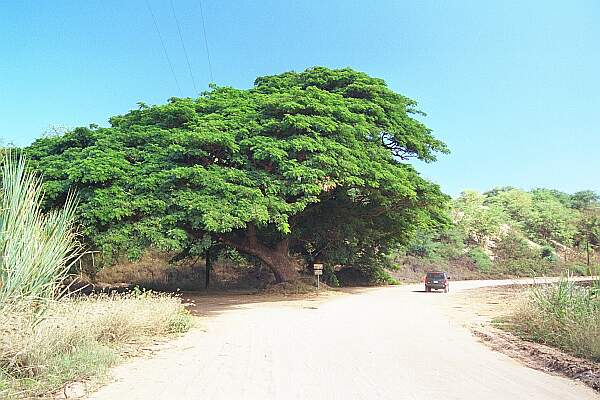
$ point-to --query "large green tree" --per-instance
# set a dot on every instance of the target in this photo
(311, 164)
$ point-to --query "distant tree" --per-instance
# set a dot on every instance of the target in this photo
(311, 164)
(585, 199)
(551, 220)
(561, 197)
(588, 231)
(498, 190)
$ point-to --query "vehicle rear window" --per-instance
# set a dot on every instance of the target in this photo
(435, 276)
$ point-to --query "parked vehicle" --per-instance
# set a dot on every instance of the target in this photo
(438, 281)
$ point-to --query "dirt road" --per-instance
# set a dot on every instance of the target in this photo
(386, 343)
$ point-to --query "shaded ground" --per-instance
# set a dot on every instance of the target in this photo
(213, 304)
(380, 343)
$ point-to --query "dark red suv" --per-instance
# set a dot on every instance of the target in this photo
(437, 280)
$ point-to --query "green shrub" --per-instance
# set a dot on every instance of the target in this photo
(517, 256)
(548, 253)
(329, 276)
(481, 259)
(380, 276)
(373, 275)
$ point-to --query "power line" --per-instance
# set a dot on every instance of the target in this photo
(212, 79)
(184, 49)
(162, 43)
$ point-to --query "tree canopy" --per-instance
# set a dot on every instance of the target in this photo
(543, 215)
(311, 164)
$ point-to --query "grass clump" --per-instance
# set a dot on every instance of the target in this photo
(565, 315)
(37, 249)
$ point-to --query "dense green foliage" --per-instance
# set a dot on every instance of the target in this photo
(312, 164)
(512, 231)
(542, 215)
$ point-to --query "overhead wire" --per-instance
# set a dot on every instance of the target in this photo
(187, 59)
(212, 79)
(162, 42)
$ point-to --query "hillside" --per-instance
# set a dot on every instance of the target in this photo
(509, 232)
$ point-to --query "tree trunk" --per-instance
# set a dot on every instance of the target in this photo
(208, 263)
(282, 267)
(587, 250)
(277, 258)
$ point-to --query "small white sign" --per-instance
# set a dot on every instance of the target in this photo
(318, 266)
(318, 272)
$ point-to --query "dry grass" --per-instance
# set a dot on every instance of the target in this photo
(79, 338)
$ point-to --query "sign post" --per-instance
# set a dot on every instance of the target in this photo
(318, 269)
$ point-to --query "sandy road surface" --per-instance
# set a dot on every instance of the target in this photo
(386, 343)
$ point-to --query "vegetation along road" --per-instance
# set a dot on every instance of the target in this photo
(384, 343)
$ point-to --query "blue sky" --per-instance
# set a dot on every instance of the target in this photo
(511, 86)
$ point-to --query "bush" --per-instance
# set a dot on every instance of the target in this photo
(329, 276)
(379, 276)
(354, 276)
(517, 256)
(481, 259)
(548, 253)
(436, 246)
(515, 247)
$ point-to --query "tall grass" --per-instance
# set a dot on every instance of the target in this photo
(36, 249)
(74, 337)
(565, 315)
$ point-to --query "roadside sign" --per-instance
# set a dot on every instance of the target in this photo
(318, 270)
